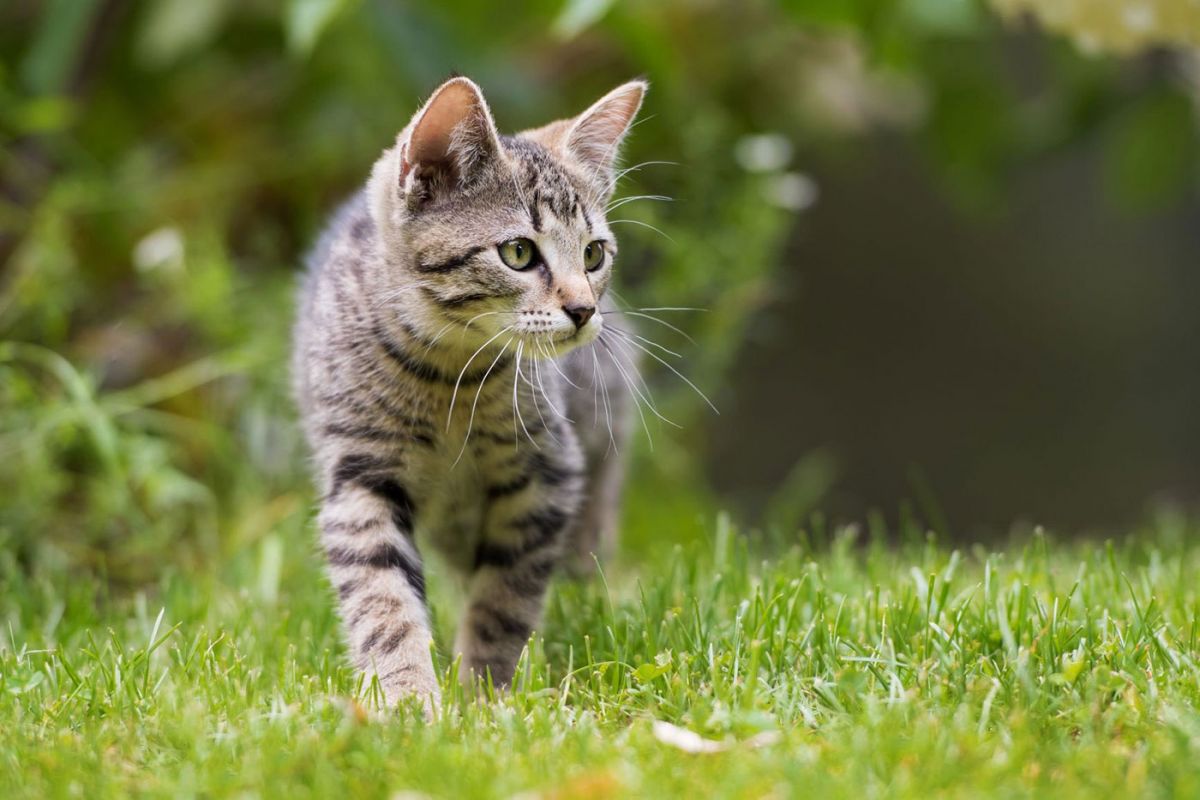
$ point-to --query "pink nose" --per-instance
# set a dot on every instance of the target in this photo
(579, 314)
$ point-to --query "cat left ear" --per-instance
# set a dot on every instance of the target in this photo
(451, 138)
(595, 136)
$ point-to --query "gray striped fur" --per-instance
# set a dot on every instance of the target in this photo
(449, 399)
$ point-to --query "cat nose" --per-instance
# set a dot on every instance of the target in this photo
(579, 314)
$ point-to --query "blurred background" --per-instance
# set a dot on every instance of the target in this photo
(948, 253)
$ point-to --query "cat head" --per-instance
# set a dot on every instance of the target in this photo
(500, 238)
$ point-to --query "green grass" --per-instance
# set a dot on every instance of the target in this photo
(1047, 669)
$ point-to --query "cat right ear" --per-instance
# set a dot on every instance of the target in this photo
(450, 140)
(595, 136)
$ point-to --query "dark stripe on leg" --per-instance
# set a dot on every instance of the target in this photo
(530, 579)
(492, 625)
(550, 473)
(403, 509)
(352, 528)
(352, 468)
(389, 645)
(371, 639)
(363, 470)
(386, 556)
(540, 529)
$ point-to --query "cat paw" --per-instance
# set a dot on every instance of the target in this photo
(413, 687)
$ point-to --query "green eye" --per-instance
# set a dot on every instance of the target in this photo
(518, 253)
(593, 256)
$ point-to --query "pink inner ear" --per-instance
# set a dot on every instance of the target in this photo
(597, 135)
(430, 141)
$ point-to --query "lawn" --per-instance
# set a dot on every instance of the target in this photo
(827, 664)
(892, 202)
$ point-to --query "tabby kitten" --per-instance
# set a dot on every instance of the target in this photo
(447, 371)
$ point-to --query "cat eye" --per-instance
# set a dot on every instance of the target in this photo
(593, 256)
(518, 253)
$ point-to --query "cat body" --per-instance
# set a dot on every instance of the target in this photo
(455, 381)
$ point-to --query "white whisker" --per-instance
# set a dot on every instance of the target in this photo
(635, 392)
(463, 371)
(554, 363)
(517, 404)
(475, 402)
(465, 325)
(611, 184)
(613, 206)
(520, 192)
(612, 439)
(644, 392)
(595, 388)
(437, 336)
(678, 374)
(644, 225)
(662, 322)
(538, 374)
(537, 406)
(384, 299)
(643, 339)
(621, 173)
(516, 374)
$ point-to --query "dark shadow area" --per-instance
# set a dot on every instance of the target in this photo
(1039, 360)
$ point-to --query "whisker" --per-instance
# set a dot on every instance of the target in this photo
(437, 336)
(595, 387)
(621, 173)
(595, 195)
(662, 322)
(634, 392)
(516, 374)
(612, 439)
(629, 307)
(475, 402)
(465, 325)
(644, 225)
(536, 404)
(520, 191)
(641, 338)
(678, 374)
(463, 371)
(612, 182)
(614, 205)
(517, 405)
(538, 375)
(377, 303)
(647, 396)
(554, 363)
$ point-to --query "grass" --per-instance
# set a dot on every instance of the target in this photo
(848, 668)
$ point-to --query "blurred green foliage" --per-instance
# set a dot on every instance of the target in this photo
(165, 164)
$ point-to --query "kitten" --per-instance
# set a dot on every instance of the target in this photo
(445, 361)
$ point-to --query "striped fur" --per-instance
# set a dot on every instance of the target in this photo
(451, 400)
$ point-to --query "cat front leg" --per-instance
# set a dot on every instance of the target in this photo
(366, 530)
(530, 507)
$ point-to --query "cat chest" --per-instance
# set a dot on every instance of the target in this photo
(450, 515)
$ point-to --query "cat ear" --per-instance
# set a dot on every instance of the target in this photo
(595, 135)
(449, 140)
